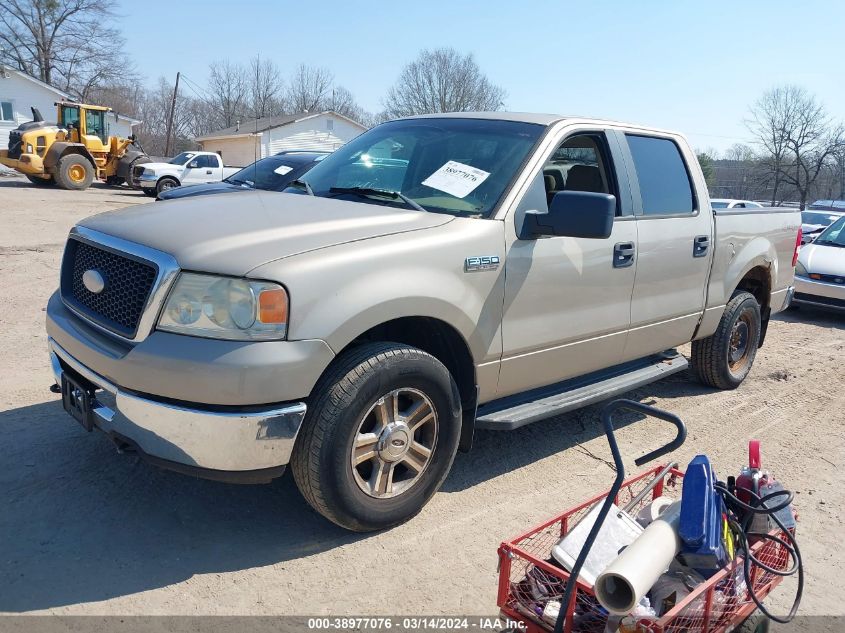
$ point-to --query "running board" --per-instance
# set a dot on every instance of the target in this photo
(513, 412)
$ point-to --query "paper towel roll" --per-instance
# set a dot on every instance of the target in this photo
(653, 510)
(621, 586)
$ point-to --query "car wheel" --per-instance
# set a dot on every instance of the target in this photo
(165, 184)
(724, 359)
(379, 437)
(74, 172)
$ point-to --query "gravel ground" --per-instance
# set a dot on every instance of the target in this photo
(84, 530)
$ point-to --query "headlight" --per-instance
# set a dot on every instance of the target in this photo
(800, 270)
(226, 308)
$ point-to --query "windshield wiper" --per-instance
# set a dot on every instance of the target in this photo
(301, 183)
(368, 191)
(237, 181)
(828, 243)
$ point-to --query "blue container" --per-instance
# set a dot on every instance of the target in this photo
(700, 524)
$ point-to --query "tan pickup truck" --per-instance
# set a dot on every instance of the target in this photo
(436, 275)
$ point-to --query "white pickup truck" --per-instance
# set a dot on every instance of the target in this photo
(187, 168)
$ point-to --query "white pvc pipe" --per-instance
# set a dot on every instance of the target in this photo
(621, 586)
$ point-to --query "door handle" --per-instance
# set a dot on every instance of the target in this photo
(700, 245)
(208, 171)
(623, 254)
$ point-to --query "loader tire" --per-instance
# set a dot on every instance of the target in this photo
(74, 172)
(40, 182)
(724, 359)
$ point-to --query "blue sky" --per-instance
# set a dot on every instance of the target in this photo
(691, 66)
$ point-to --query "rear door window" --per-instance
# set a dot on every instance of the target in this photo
(665, 185)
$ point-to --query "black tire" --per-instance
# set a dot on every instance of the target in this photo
(114, 181)
(164, 184)
(345, 398)
(755, 623)
(724, 359)
(74, 172)
(40, 182)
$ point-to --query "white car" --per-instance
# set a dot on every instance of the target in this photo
(814, 221)
(188, 168)
(820, 270)
(729, 203)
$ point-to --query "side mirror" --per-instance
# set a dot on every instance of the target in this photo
(572, 214)
(193, 164)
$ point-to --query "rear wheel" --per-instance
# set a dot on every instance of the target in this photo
(379, 437)
(41, 182)
(724, 359)
(74, 172)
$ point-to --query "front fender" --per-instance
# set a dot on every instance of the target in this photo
(340, 292)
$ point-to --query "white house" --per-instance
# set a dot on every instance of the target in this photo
(19, 92)
(250, 140)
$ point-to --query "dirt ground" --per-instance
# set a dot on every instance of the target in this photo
(85, 530)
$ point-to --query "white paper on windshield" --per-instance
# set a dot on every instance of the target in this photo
(283, 169)
(456, 179)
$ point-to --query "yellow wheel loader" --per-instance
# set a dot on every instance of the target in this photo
(72, 152)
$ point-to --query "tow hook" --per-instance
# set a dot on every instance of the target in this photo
(54, 388)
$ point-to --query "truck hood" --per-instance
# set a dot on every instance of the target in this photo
(823, 260)
(232, 235)
(167, 166)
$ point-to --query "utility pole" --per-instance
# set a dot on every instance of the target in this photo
(167, 145)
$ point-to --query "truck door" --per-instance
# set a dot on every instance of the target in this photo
(567, 300)
(214, 170)
(675, 231)
(197, 170)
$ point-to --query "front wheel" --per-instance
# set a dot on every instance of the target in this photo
(724, 359)
(379, 438)
(165, 184)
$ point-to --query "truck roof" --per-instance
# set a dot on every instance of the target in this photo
(532, 117)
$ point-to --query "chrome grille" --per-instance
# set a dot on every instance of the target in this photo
(128, 284)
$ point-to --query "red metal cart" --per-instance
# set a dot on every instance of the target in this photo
(718, 604)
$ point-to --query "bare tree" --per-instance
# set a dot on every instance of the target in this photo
(265, 88)
(308, 89)
(442, 80)
(64, 43)
(229, 91)
(798, 137)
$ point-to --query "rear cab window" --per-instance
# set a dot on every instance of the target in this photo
(664, 180)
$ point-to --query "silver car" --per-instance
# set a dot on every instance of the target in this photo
(820, 271)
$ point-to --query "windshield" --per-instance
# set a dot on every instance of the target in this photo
(822, 219)
(270, 174)
(834, 235)
(181, 159)
(456, 166)
(719, 205)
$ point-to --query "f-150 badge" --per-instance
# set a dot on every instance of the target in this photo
(485, 262)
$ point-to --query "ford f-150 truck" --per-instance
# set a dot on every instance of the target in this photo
(187, 168)
(434, 276)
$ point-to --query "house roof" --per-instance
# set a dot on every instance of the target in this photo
(47, 86)
(254, 126)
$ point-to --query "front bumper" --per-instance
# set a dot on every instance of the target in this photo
(146, 181)
(819, 294)
(250, 444)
